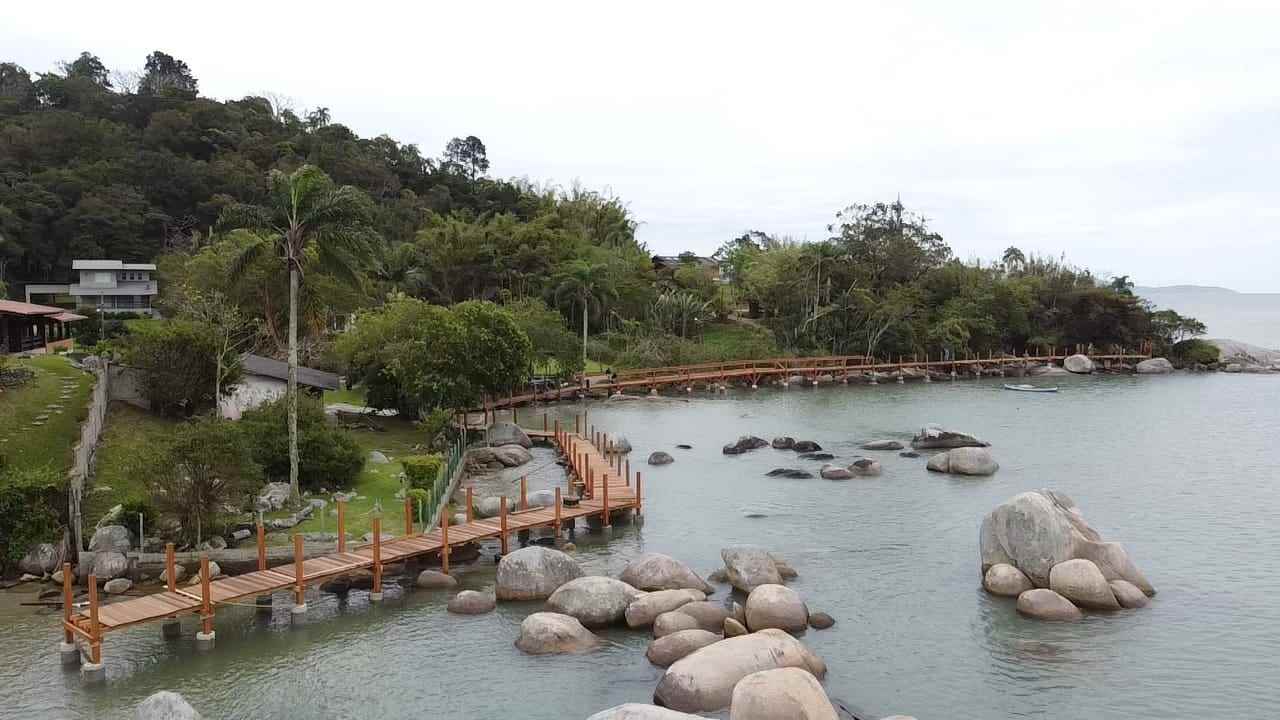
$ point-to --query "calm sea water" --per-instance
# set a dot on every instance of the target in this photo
(1181, 469)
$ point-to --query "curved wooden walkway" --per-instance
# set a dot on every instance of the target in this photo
(838, 367)
(600, 484)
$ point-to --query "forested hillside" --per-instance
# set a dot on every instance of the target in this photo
(137, 166)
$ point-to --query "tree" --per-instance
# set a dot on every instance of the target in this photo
(818, 254)
(887, 245)
(166, 75)
(179, 362)
(231, 331)
(330, 456)
(468, 155)
(205, 468)
(1013, 258)
(587, 285)
(308, 222)
(1122, 284)
(554, 345)
(88, 67)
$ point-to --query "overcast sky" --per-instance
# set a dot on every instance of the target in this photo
(1136, 138)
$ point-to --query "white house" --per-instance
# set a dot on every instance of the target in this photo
(263, 380)
(109, 285)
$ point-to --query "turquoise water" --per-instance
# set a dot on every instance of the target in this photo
(1180, 469)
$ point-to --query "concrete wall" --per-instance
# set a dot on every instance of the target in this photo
(85, 451)
(249, 393)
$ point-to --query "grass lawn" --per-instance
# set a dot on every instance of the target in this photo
(59, 394)
(739, 341)
(128, 433)
(351, 396)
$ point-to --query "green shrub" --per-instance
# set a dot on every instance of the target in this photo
(31, 502)
(1196, 350)
(177, 361)
(132, 509)
(328, 456)
(204, 470)
(420, 499)
(422, 470)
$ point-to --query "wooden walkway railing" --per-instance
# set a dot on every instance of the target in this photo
(840, 367)
(599, 485)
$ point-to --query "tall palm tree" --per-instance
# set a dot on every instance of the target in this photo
(308, 222)
(819, 254)
(1013, 258)
(586, 284)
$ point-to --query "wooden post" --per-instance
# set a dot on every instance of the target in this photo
(524, 493)
(469, 505)
(604, 443)
(95, 629)
(502, 524)
(627, 475)
(408, 514)
(591, 482)
(206, 601)
(639, 502)
(444, 542)
(262, 546)
(342, 526)
(557, 526)
(577, 424)
(544, 422)
(68, 636)
(171, 569)
(604, 494)
(515, 419)
(299, 590)
(377, 554)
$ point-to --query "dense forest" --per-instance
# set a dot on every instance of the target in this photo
(138, 166)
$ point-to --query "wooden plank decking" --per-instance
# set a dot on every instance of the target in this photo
(601, 483)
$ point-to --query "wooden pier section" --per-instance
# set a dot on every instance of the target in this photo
(840, 368)
(600, 484)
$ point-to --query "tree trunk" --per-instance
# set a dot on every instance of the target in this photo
(584, 336)
(294, 488)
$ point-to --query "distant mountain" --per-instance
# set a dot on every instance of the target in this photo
(1252, 318)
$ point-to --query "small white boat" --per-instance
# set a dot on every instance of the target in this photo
(1030, 388)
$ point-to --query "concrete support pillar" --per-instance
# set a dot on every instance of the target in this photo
(205, 640)
(69, 654)
(93, 672)
(375, 597)
(298, 611)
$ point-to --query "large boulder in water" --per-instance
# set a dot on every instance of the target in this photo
(655, 571)
(636, 711)
(1034, 531)
(506, 433)
(511, 455)
(1081, 582)
(165, 705)
(645, 609)
(596, 601)
(882, 445)
(659, 457)
(1128, 594)
(1044, 604)
(782, 693)
(783, 443)
(673, 622)
(1006, 580)
(112, 538)
(471, 602)
(1079, 364)
(534, 572)
(749, 567)
(619, 445)
(1154, 366)
(704, 680)
(669, 648)
(964, 461)
(776, 606)
(806, 446)
(865, 467)
(547, 633)
(708, 615)
(492, 506)
(934, 437)
(835, 472)
(745, 443)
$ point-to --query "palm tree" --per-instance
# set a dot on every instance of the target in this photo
(1013, 258)
(819, 253)
(308, 222)
(587, 284)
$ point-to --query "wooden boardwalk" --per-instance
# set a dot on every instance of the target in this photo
(599, 485)
(838, 367)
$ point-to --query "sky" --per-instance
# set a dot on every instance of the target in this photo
(1136, 138)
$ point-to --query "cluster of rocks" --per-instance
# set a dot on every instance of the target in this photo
(744, 444)
(800, 446)
(1038, 548)
(507, 446)
(962, 453)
